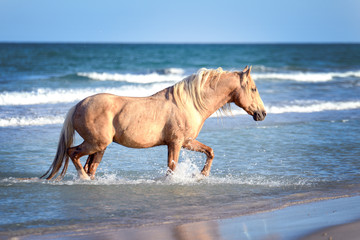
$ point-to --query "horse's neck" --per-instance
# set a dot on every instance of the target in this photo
(215, 97)
(218, 96)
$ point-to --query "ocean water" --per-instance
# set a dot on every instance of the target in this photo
(308, 147)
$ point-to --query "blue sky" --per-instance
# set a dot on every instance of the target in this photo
(185, 21)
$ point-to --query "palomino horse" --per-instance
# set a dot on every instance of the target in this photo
(172, 117)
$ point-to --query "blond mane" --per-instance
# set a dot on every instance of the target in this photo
(191, 88)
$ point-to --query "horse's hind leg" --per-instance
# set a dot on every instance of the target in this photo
(76, 153)
(93, 162)
(89, 161)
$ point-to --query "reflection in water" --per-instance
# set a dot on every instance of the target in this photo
(210, 230)
(248, 228)
(199, 230)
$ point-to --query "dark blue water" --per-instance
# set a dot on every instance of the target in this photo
(307, 147)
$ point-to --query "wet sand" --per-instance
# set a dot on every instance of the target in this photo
(301, 220)
(350, 231)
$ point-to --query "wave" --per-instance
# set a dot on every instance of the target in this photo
(31, 121)
(305, 107)
(313, 106)
(177, 74)
(306, 77)
(51, 96)
(294, 107)
(165, 75)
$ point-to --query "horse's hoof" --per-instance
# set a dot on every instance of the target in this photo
(198, 176)
(205, 173)
(169, 172)
(85, 178)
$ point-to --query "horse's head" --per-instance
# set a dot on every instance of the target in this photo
(247, 96)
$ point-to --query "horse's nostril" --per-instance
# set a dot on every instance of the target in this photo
(259, 116)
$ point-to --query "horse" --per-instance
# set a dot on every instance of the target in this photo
(173, 116)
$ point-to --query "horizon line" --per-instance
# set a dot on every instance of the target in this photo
(181, 43)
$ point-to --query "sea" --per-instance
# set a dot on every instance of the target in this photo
(307, 148)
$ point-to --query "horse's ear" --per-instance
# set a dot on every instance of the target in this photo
(244, 76)
(247, 70)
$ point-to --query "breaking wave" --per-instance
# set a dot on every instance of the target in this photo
(314, 106)
(177, 74)
(307, 107)
(51, 96)
(31, 121)
(293, 107)
(306, 76)
(165, 75)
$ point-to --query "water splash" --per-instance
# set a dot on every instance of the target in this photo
(187, 173)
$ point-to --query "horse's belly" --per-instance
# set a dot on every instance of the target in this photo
(140, 124)
(138, 138)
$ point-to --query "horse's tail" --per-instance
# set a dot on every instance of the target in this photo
(65, 142)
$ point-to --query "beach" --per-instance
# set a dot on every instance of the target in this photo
(344, 231)
(335, 218)
(291, 175)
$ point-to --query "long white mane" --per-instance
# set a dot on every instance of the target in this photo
(190, 89)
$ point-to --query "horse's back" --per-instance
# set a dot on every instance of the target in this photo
(98, 105)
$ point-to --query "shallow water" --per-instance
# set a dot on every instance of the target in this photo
(307, 147)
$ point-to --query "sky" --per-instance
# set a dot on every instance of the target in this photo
(181, 21)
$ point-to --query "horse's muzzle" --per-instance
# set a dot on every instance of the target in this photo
(259, 116)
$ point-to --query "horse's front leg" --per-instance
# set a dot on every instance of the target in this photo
(197, 146)
(173, 156)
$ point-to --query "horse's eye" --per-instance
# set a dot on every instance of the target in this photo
(253, 89)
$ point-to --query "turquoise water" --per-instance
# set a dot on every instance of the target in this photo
(307, 147)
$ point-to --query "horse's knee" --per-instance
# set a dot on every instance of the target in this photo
(210, 153)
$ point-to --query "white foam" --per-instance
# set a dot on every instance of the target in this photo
(177, 71)
(186, 172)
(177, 74)
(51, 96)
(302, 107)
(306, 77)
(313, 106)
(294, 107)
(29, 121)
(185, 176)
(170, 75)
